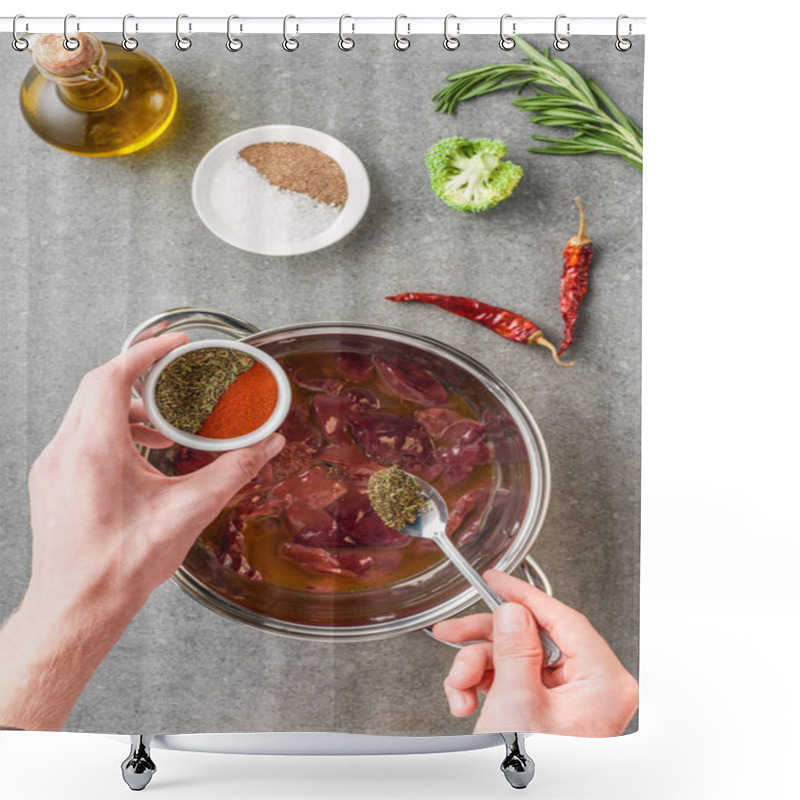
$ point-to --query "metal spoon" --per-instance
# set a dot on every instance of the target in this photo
(431, 524)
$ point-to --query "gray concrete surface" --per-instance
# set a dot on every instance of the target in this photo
(90, 247)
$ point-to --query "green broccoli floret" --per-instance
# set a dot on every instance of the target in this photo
(468, 173)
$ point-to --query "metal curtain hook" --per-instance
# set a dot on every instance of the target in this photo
(451, 42)
(182, 42)
(290, 44)
(401, 42)
(19, 43)
(346, 42)
(128, 42)
(506, 42)
(70, 42)
(233, 44)
(623, 45)
(560, 42)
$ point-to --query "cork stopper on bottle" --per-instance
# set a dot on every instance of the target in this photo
(52, 56)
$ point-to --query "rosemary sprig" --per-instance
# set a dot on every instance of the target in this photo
(562, 98)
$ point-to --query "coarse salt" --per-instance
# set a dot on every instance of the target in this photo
(260, 214)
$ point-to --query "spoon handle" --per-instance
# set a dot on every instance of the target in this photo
(490, 596)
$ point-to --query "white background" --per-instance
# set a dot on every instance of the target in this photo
(720, 600)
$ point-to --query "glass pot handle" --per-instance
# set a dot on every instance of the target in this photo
(532, 573)
(186, 319)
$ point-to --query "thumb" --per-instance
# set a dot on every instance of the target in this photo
(216, 483)
(517, 649)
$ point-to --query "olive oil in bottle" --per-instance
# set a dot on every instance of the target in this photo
(97, 100)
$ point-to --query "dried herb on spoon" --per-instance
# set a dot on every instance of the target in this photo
(561, 97)
(396, 497)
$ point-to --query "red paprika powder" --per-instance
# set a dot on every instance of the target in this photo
(246, 405)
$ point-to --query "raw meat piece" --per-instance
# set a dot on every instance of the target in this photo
(187, 460)
(362, 399)
(409, 381)
(238, 563)
(332, 412)
(464, 431)
(436, 420)
(468, 455)
(354, 514)
(229, 550)
(428, 472)
(303, 442)
(231, 535)
(332, 386)
(294, 457)
(463, 448)
(350, 508)
(358, 475)
(388, 439)
(315, 527)
(372, 532)
(343, 454)
(331, 415)
(255, 492)
(471, 503)
(356, 367)
(468, 532)
(316, 487)
(258, 503)
(352, 563)
(298, 427)
(315, 559)
(366, 562)
(453, 474)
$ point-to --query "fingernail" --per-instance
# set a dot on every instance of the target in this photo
(455, 700)
(512, 618)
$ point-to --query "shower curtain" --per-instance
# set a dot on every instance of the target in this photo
(93, 247)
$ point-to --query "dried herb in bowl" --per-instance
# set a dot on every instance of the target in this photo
(216, 392)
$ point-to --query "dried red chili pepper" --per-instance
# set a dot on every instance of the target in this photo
(507, 324)
(574, 278)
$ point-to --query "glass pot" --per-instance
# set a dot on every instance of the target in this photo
(514, 516)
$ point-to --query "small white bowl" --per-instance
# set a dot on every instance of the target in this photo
(228, 149)
(204, 442)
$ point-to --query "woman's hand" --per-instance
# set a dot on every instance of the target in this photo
(108, 528)
(104, 520)
(587, 693)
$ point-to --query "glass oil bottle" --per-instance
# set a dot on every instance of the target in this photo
(98, 99)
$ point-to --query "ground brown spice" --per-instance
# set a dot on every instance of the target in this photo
(299, 168)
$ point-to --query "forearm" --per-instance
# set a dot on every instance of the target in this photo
(48, 655)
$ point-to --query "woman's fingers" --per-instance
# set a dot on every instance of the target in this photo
(135, 361)
(571, 631)
(204, 493)
(517, 650)
(103, 396)
(469, 666)
(104, 393)
(476, 627)
(467, 676)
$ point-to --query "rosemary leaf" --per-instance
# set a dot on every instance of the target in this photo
(561, 97)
